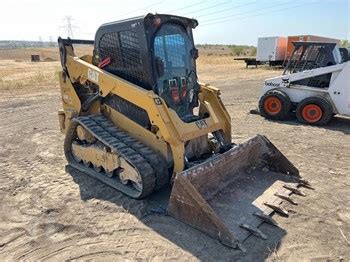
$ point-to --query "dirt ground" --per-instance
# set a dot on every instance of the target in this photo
(50, 212)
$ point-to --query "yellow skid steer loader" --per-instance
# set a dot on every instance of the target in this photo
(136, 118)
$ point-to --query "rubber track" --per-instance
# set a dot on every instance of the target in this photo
(157, 162)
(150, 166)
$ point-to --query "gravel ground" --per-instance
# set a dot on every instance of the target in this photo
(49, 212)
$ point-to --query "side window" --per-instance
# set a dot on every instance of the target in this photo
(170, 46)
(123, 49)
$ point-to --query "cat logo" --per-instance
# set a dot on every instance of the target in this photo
(92, 75)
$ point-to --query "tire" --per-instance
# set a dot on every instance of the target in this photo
(314, 111)
(275, 105)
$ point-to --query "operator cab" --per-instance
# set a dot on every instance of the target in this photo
(176, 80)
(155, 52)
(312, 55)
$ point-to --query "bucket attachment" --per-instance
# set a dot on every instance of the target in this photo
(231, 194)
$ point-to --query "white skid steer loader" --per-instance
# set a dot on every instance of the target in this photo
(315, 85)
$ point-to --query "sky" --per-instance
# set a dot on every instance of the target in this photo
(220, 21)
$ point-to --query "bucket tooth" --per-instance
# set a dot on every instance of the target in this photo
(305, 183)
(307, 186)
(278, 209)
(266, 218)
(287, 198)
(256, 232)
(294, 190)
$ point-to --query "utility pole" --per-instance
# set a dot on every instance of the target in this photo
(67, 20)
(51, 42)
(41, 44)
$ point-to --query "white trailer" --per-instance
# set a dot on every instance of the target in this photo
(271, 49)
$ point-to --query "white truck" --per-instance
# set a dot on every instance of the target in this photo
(315, 86)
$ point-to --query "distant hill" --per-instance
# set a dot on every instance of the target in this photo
(9, 44)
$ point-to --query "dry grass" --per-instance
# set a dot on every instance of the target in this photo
(225, 67)
(19, 75)
(24, 53)
(50, 53)
(17, 72)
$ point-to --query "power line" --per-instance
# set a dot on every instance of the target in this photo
(69, 26)
(206, 8)
(251, 11)
(185, 7)
(124, 15)
(241, 18)
(143, 8)
(227, 9)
